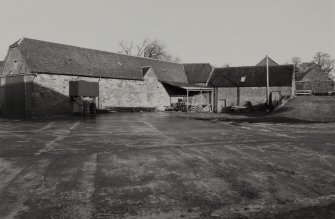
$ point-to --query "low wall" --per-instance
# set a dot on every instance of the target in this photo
(239, 96)
(317, 87)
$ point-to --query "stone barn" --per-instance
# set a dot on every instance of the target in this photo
(314, 80)
(235, 86)
(36, 75)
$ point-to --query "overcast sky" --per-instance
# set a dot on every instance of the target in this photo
(236, 32)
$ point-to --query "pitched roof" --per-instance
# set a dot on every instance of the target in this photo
(54, 58)
(315, 74)
(253, 76)
(198, 72)
(263, 62)
(1, 66)
(299, 75)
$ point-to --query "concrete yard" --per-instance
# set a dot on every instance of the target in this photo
(165, 165)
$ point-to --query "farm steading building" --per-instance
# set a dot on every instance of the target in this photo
(36, 75)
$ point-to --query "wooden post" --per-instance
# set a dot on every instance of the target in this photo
(267, 81)
(212, 100)
(215, 99)
(201, 100)
(187, 101)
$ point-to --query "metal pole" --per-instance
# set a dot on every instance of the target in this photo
(267, 80)
(187, 101)
(293, 81)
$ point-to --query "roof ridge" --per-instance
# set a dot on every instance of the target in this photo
(254, 66)
(264, 59)
(272, 60)
(57, 58)
(313, 67)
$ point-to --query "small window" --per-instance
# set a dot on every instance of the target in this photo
(243, 79)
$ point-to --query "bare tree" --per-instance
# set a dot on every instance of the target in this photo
(154, 49)
(173, 58)
(126, 47)
(324, 61)
(141, 47)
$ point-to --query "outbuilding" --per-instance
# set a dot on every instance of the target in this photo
(237, 86)
(315, 80)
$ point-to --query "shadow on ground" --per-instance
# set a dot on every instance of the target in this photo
(157, 165)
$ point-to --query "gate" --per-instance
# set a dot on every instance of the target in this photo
(14, 101)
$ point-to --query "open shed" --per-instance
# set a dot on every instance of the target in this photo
(196, 97)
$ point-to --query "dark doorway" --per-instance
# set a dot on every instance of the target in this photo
(14, 104)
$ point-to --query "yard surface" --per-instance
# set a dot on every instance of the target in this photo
(165, 165)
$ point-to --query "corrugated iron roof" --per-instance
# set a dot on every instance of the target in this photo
(253, 76)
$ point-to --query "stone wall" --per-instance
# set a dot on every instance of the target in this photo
(13, 66)
(47, 94)
(14, 63)
(317, 87)
(230, 96)
(50, 93)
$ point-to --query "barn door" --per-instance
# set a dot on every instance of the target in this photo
(221, 105)
(15, 96)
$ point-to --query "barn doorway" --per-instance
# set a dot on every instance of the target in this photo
(14, 97)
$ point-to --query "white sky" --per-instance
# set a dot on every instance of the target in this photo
(237, 32)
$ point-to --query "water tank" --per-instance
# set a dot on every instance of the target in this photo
(83, 89)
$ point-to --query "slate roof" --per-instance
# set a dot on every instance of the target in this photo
(198, 72)
(300, 75)
(314, 74)
(1, 66)
(255, 76)
(54, 58)
(263, 62)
